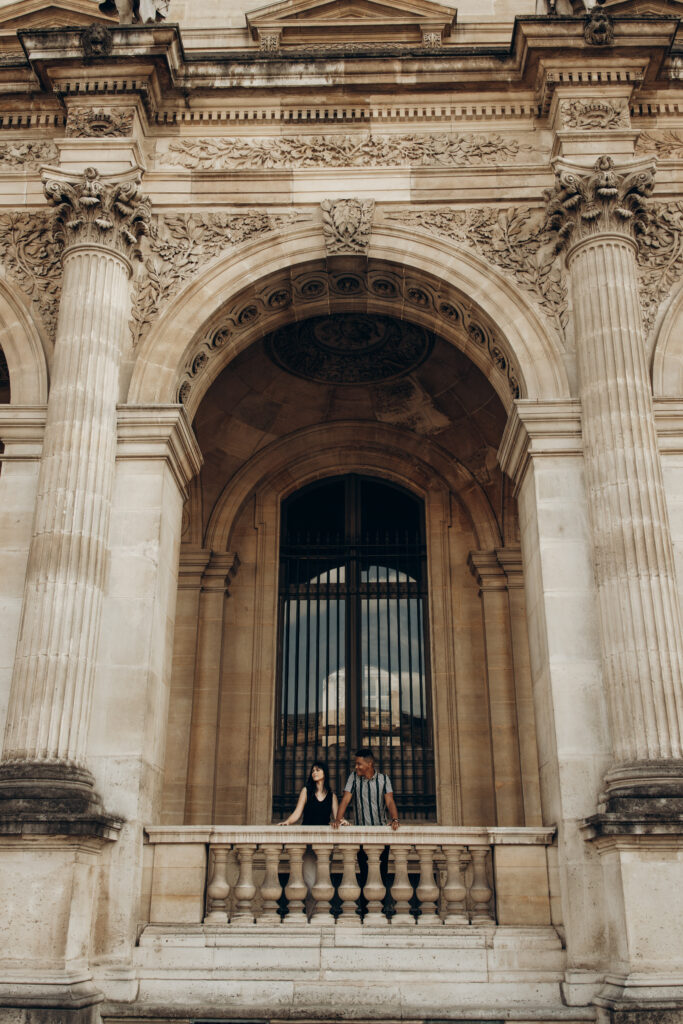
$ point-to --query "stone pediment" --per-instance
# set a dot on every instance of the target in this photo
(33, 14)
(319, 22)
(640, 8)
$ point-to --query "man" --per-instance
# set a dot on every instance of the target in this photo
(371, 792)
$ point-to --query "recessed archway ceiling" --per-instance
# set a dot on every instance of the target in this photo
(345, 286)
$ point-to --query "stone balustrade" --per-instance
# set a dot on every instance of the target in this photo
(227, 876)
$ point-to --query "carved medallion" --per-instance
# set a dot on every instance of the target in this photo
(349, 348)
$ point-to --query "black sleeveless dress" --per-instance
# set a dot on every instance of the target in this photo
(317, 812)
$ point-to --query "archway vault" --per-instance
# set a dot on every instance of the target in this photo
(428, 281)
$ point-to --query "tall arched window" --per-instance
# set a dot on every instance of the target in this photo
(353, 661)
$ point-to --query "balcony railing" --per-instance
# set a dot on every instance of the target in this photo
(434, 876)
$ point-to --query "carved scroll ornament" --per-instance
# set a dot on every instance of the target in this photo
(96, 210)
(605, 199)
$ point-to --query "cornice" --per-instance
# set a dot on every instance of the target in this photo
(159, 432)
(151, 60)
(538, 430)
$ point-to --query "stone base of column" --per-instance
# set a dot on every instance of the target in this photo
(641, 797)
(613, 1010)
(52, 798)
(48, 1001)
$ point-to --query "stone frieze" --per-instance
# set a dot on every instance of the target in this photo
(24, 155)
(357, 150)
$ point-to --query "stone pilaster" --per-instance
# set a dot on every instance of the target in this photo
(98, 221)
(597, 215)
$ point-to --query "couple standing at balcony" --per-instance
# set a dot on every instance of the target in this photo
(370, 790)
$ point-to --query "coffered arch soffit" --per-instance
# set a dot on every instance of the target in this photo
(416, 463)
(491, 321)
(23, 348)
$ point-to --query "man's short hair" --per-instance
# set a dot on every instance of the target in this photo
(366, 753)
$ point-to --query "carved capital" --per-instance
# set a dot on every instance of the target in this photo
(604, 200)
(100, 210)
(347, 224)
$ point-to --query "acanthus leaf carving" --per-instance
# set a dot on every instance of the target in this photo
(660, 257)
(606, 199)
(347, 224)
(665, 144)
(32, 259)
(96, 210)
(358, 150)
(178, 246)
(26, 155)
(517, 240)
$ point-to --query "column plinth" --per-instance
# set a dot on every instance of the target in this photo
(99, 221)
(598, 216)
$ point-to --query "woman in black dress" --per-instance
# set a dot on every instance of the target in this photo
(317, 804)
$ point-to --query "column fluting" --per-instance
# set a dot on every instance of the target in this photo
(99, 221)
(598, 216)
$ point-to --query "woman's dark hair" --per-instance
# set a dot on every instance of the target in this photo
(310, 784)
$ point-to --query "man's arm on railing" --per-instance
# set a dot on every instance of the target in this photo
(346, 799)
(391, 807)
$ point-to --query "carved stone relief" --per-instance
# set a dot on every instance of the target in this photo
(597, 114)
(32, 260)
(24, 155)
(83, 122)
(97, 41)
(602, 200)
(517, 240)
(358, 150)
(314, 291)
(660, 257)
(95, 209)
(407, 404)
(179, 245)
(665, 144)
(599, 27)
(347, 224)
(349, 348)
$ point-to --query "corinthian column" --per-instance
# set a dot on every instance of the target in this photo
(598, 215)
(99, 220)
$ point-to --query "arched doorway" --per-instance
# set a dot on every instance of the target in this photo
(353, 651)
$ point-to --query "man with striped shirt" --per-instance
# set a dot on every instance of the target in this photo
(371, 792)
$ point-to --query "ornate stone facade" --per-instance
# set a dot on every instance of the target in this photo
(341, 402)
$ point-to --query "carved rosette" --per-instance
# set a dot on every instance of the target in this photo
(99, 210)
(604, 200)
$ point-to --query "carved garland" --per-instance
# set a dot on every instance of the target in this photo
(315, 287)
(28, 156)
(358, 150)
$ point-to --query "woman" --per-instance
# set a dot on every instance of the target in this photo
(317, 803)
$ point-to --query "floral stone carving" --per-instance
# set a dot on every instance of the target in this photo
(347, 224)
(26, 155)
(32, 260)
(660, 257)
(357, 150)
(604, 200)
(102, 211)
(178, 246)
(517, 240)
(84, 122)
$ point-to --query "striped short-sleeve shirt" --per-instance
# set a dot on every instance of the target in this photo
(367, 796)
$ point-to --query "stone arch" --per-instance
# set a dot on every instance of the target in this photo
(23, 348)
(525, 342)
(667, 355)
(289, 464)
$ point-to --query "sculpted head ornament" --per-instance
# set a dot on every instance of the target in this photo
(599, 27)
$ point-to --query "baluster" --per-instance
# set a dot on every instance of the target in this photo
(245, 890)
(401, 890)
(218, 888)
(323, 890)
(349, 890)
(374, 887)
(454, 890)
(271, 890)
(295, 890)
(480, 890)
(427, 890)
